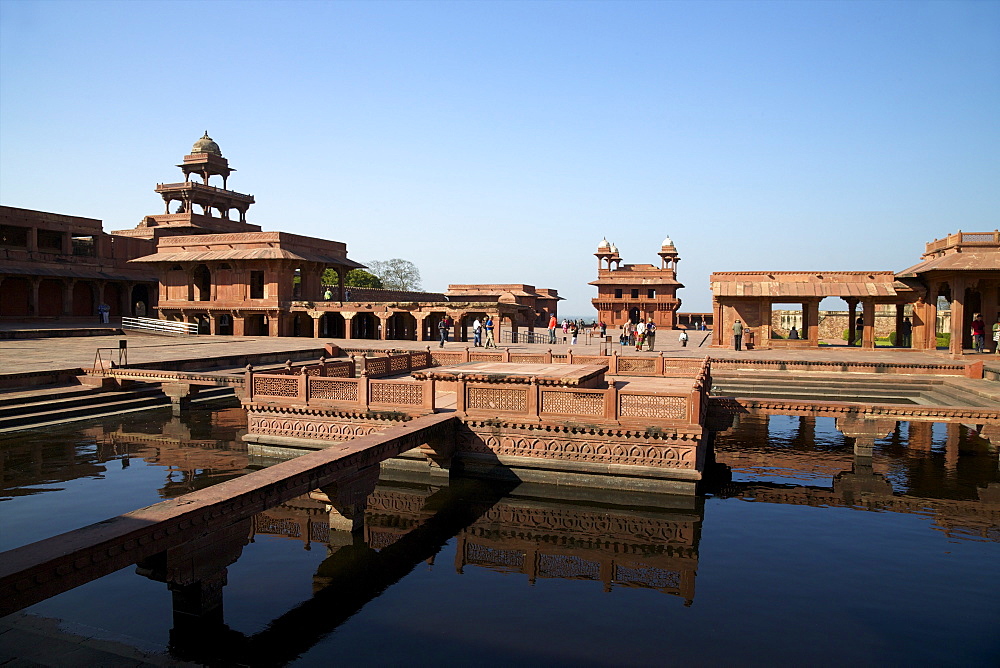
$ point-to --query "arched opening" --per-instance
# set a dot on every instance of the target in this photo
(633, 315)
(255, 325)
(202, 278)
(83, 299)
(14, 296)
(204, 324)
(140, 301)
(364, 326)
(50, 297)
(402, 327)
(224, 324)
(302, 325)
(431, 332)
(113, 298)
(332, 325)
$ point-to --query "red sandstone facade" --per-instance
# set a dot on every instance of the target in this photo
(963, 268)
(61, 267)
(637, 292)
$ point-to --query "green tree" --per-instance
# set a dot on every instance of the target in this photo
(396, 274)
(355, 278)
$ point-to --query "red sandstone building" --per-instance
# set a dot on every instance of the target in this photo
(234, 279)
(962, 268)
(61, 267)
(637, 292)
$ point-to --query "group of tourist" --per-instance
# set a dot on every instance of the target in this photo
(639, 333)
(478, 328)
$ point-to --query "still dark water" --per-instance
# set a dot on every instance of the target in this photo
(807, 555)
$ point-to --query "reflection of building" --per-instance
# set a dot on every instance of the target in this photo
(540, 538)
(637, 292)
(60, 267)
(613, 546)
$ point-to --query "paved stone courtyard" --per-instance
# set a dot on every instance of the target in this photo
(25, 355)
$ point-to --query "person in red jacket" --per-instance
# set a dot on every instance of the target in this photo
(978, 332)
(552, 328)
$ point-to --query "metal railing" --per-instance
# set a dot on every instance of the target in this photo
(162, 326)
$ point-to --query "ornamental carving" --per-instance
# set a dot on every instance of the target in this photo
(496, 399)
(637, 365)
(652, 406)
(334, 390)
(276, 386)
(656, 454)
(572, 403)
(399, 394)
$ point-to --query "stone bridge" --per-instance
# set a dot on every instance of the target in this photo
(346, 472)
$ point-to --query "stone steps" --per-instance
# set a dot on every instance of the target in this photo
(873, 388)
(57, 405)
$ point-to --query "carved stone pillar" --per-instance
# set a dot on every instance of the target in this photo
(868, 314)
(957, 317)
(852, 305)
(348, 322)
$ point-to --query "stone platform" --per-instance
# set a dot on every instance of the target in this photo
(565, 375)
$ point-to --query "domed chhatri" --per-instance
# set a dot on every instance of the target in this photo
(668, 242)
(604, 245)
(206, 145)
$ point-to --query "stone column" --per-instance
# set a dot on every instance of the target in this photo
(810, 313)
(239, 325)
(421, 319)
(213, 326)
(852, 305)
(765, 325)
(68, 296)
(868, 335)
(67, 243)
(274, 323)
(899, 325)
(957, 317)
(991, 308)
(33, 296)
(717, 324)
(383, 321)
(348, 321)
(32, 239)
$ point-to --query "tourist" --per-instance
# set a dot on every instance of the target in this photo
(328, 294)
(553, 323)
(104, 311)
(905, 333)
(488, 326)
(140, 309)
(978, 332)
(651, 333)
(477, 333)
(793, 334)
(640, 334)
(443, 330)
(347, 295)
(626, 334)
(604, 328)
(574, 330)
(683, 338)
(996, 334)
(737, 335)
(859, 329)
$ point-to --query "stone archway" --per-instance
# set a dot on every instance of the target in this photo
(50, 297)
(83, 299)
(15, 296)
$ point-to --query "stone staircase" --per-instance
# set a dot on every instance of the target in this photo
(52, 405)
(923, 390)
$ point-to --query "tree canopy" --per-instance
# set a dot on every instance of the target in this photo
(355, 278)
(396, 274)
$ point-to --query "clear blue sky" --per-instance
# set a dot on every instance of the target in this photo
(499, 142)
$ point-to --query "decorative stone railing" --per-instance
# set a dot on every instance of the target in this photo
(362, 393)
(324, 368)
(964, 239)
(656, 365)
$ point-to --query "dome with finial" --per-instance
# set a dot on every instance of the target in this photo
(604, 245)
(206, 145)
(614, 249)
(667, 242)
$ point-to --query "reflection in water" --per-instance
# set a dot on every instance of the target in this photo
(111, 466)
(495, 574)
